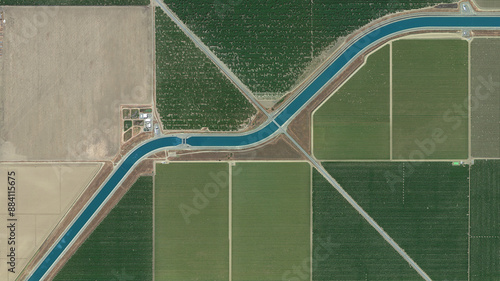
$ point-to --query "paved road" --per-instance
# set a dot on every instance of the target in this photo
(267, 130)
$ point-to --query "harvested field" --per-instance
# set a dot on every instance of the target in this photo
(354, 122)
(488, 4)
(423, 206)
(270, 220)
(485, 220)
(485, 94)
(77, 66)
(191, 221)
(122, 243)
(430, 94)
(44, 193)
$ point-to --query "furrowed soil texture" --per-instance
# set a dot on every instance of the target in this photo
(485, 220)
(423, 206)
(269, 44)
(345, 246)
(191, 92)
(430, 94)
(191, 221)
(354, 122)
(270, 220)
(121, 246)
(485, 97)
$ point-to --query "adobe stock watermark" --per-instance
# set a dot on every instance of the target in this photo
(457, 115)
(300, 272)
(203, 196)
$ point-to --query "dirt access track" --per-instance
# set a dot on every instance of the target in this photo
(64, 73)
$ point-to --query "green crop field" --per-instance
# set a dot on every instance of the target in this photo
(485, 97)
(75, 2)
(354, 122)
(345, 246)
(191, 221)
(268, 44)
(270, 220)
(191, 92)
(423, 206)
(485, 220)
(430, 93)
(122, 244)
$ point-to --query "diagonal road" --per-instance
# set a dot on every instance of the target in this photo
(230, 75)
(273, 127)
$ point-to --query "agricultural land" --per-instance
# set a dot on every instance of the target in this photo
(121, 246)
(47, 191)
(272, 46)
(241, 222)
(354, 122)
(423, 206)
(76, 116)
(270, 220)
(485, 220)
(191, 92)
(75, 2)
(191, 222)
(429, 99)
(345, 246)
(488, 4)
(232, 140)
(485, 98)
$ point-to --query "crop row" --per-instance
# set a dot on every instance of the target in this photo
(191, 92)
(268, 44)
(122, 243)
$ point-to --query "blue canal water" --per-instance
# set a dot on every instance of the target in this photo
(441, 22)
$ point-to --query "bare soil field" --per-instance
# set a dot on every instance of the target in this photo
(44, 194)
(487, 4)
(63, 75)
(485, 98)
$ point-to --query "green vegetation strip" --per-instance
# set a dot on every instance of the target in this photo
(75, 2)
(430, 94)
(121, 246)
(423, 206)
(191, 92)
(271, 221)
(354, 122)
(191, 221)
(345, 246)
(268, 44)
(485, 220)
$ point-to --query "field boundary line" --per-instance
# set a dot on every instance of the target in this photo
(468, 232)
(361, 211)
(311, 220)
(230, 222)
(390, 100)
(153, 218)
(469, 100)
